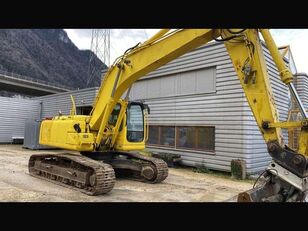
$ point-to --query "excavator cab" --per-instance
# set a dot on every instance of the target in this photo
(134, 133)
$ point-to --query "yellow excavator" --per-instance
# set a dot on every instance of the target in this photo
(109, 137)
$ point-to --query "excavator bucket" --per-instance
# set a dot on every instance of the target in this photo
(263, 193)
(273, 188)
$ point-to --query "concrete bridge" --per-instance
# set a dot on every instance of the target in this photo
(25, 85)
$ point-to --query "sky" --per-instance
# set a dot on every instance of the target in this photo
(121, 39)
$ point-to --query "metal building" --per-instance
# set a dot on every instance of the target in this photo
(301, 84)
(13, 115)
(53, 104)
(198, 96)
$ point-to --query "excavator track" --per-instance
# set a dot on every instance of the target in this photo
(73, 171)
(153, 170)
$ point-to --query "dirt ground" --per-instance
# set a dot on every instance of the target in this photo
(182, 185)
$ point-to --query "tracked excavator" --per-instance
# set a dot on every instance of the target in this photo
(108, 139)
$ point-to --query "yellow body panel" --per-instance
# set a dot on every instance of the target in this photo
(123, 144)
(60, 132)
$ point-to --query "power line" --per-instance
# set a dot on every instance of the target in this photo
(100, 46)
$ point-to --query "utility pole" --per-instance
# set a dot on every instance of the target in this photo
(100, 46)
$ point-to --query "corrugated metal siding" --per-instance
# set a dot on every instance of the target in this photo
(51, 104)
(237, 135)
(13, 115)
(301, 84)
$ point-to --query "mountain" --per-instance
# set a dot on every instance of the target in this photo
(49, 55)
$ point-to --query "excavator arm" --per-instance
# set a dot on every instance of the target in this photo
(285, 178)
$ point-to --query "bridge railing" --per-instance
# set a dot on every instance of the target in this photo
(23, 77)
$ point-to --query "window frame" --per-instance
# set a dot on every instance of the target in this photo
(143, 122)
(159, 137)
(196, 138)
(176, 147)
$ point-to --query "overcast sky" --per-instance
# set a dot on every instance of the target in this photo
(121, 39)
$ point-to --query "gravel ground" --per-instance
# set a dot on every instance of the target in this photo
(182, 185)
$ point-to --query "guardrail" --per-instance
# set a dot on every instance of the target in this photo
(43, 82)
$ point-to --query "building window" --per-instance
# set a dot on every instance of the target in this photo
(167, 136)
(162, 136)
(199, 81)
(186, 137)
(153, 135)
(198, 138)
